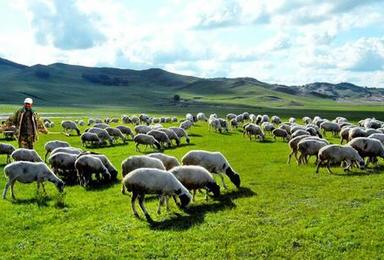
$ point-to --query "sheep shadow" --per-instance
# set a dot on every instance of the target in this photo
(100, 186)
(195, 215)
(40, 200)
(367, 172)
(242, 192)
(195, 135)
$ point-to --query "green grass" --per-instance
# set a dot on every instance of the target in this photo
(281, 211)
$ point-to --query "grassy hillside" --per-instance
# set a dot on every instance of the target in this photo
(281, 211)
(67, 85)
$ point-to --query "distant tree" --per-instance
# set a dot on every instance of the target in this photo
(176, 98)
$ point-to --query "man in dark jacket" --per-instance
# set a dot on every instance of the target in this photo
(28, 124)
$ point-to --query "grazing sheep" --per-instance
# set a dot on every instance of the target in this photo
(88, 139)
(28, 172)
(51, 145)
(186, 124)
(23, 154)
(71, 150)
(337, 154)
(264, 118)
(240, 118)
(344, 134)
(214, 162)
(195, 177)
(81, 123)
(161, 137)
(171, 135)
(126, 130)
(252, 118)
(234, 123)
(101, 125)
(300, 132)
(154, 181)
(214, 123)
(189, 117)
(370, 131)
(116, 133)
(106, 162)
(245, 115)
(230, 116)
(378, 136)
(146, 140)
(63, 164)
(168, 161)
(281, 133)
(285, 127)
(223, 124)
(86, 165)
(307, 120)
(267, 127)
(69, 126)
(292, 120)
(275, 120)
(368, 147)
(180, 132)
(144, 119)
(135, 120)
(295, 128)
(356, 132)
(142, 129)
(293, 145)
(313, 131)
(254, 130)
(330, 127)
(102, 134)
(139, 161)
(309, 147)
(8, 150)
(174, 119)
(91, 121)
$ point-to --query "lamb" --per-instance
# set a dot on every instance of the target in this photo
(90, 139)
(336, 154)
(253, 130)
(368, 147)
(186, 124)
(281, 133)
(195, 177)
(275, 120)
(146, 140)
(86, 165)
(139, 161)
(69, 126)
(116, 133)
(161, 137)
(142, 129)
(63, 164)
(171, 135)
(180, 132)
(126, 130)
(28, 172)
(8, 150)
(70, 150)
(330, 127)
(168, 161)
(23, 154)
(154, 181)
(308, 147)
(214, 162)
(102, 134)
(51, 145)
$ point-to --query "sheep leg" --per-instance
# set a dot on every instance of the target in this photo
(137, 147)
(42, 185)
(289, 157)
(142, 206)
(8, 158)
(123, 189)
(222, 180)
(6, 189)
(167, 202)
(161, 202)
(329, 167)
(318, 166)
(133, 200)
(193, 195)
(12, 190)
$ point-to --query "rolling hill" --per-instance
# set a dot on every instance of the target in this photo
(61, 84)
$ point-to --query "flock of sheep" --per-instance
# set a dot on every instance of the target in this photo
(163, 175)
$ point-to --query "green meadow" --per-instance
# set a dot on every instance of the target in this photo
(281, 210)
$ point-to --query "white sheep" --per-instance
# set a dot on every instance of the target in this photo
(337, 154)
(102, 134)
(90, 139)
(142, 129)
(168, 161)
(28, 172)
(7, 149)
(292, 144)
(292, 120)
(154, 181)
(116, 133)
(171, 135)
(106, 162)
(278, 132)
(214, 162)
(214, 123)
(189, 117)
(186, 124)
(180, 132)
(254, 130)
(275, 120)
(69, 126)
(161, 137)
(330, 127)
(146, 140)
(344, 134)
(126, 130)
(51, 145)
(71, 150)
(267, 127)
(23, 154)
(300, 132)
(63, 164)
(201, 117)
(101, 125)
(86, 165)
(368, 147)
(378, 136)
(230, 116)
(309, 147)
(195, 177)
(356, 132)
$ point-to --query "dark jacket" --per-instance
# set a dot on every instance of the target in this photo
(37, 125)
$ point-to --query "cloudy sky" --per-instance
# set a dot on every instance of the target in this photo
(277, 41)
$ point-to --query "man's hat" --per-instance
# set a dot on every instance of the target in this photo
(28, 101)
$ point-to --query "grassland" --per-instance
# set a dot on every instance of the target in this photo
(281, 211)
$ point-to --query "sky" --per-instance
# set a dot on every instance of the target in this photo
(290, 42)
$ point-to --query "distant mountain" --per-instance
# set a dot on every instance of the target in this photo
(63, 84)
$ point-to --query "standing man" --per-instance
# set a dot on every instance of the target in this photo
(28, 124)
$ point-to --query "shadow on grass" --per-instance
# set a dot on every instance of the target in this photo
(100, 186)
(195, 135)
(41, 200)
(196, 213)
(367, 172)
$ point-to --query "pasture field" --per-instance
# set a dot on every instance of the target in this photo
(281, 210)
